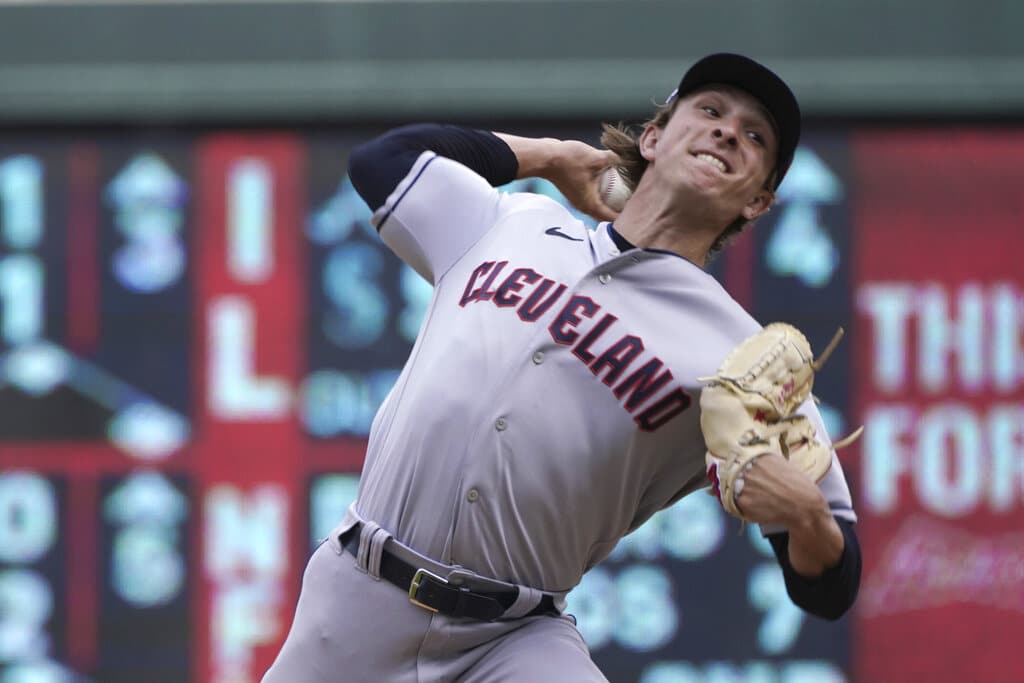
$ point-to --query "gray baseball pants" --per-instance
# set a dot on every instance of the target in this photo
(351, 627)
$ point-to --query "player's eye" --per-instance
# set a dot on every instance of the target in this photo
(756, 137)
(710, 111)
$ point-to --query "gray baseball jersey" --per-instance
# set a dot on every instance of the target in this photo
(548, 407)
(550, 404)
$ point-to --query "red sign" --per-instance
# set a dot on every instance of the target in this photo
(940, 368)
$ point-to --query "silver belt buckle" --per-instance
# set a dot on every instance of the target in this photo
(414, 587)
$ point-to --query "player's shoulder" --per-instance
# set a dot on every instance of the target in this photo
(742, 323)
(722, 321)
(524, 214)
(448, 174)
(733, 321)
(515, 201)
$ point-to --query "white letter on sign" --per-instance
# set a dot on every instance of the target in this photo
(236, 392)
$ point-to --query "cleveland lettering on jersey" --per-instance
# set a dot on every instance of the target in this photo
(581, 324)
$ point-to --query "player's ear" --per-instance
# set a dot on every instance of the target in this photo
(648, 141)
(759, 205)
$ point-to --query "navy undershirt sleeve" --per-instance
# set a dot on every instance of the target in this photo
(377, 166)
(827, 596)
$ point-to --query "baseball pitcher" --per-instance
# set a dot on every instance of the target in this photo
(567, 384)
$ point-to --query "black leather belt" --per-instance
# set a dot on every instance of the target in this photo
(436, 594)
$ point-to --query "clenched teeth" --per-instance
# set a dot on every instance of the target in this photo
(718, 163)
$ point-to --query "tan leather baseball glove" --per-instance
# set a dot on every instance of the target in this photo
(748, 409)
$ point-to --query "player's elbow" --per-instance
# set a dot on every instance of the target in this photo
(377, 166)
(829, 597)
(832, 594)
(830, 607)
(361, 162)
(835, 615)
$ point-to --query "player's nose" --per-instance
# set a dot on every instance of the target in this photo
(726, 133)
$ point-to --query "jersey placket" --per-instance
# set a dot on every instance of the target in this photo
(473, 496)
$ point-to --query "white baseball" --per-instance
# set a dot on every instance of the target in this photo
(614, 191)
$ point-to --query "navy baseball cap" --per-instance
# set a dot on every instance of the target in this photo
(762, 83)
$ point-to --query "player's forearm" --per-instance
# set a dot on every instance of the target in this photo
(572, 166)
(537, 157)
(815, 542)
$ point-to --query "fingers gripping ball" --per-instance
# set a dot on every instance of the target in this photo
(748, 410)
(613, 188)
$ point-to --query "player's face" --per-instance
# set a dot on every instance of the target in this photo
(720, 141)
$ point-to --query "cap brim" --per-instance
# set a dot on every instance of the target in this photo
(761, 82)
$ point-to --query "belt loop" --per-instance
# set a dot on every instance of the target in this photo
(375, 552)
(366, 532)
(334, 539)
(527, 599)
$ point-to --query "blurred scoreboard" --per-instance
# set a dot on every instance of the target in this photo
(196, 331)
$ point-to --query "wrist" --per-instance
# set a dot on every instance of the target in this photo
(549, 159)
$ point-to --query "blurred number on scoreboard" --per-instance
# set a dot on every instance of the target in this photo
(31, 577)
(144, 543)
(21, 268)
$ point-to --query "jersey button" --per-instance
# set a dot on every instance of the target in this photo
(603, 278)
(538, 357)
(500, 424)
(472, 495)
